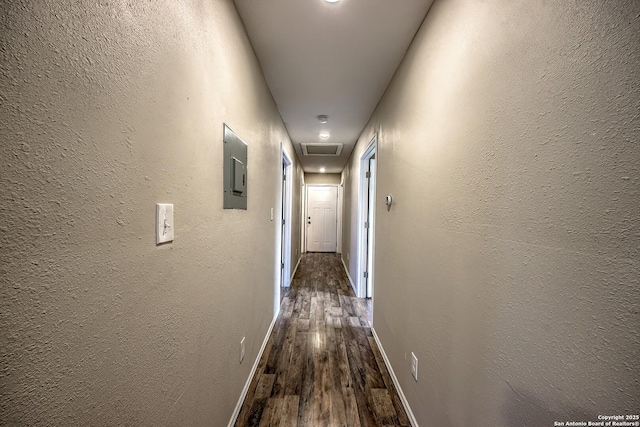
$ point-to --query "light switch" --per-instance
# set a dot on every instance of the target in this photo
(271, 214)
(164, 223)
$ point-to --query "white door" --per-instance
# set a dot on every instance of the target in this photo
(322, 227)
(371, 205)
(283, 235)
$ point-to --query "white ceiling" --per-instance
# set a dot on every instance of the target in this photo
(329, 58)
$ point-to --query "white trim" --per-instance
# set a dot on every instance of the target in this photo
(236, 412)
(346, 270)
(369, 291)
(361, 263)
(303, 222)
(403, 398)
(295, 269)
(288, 184)
(340, 214)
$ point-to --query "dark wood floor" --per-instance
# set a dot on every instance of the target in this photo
(321, 365)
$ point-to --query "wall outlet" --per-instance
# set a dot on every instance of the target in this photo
(242, 349)
(414, 366)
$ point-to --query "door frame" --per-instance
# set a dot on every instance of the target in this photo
(306, 210)
(303, 220)
(285, 216)
(363, 214)
(339, 213)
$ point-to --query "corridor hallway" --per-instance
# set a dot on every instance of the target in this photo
(321, 366)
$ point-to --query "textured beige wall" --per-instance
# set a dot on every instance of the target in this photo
(107, 108)
(510, 261)
(322, 178)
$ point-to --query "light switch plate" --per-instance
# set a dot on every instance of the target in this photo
(414, 366)
(164, 223)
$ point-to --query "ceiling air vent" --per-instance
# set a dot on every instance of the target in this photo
(322, 149)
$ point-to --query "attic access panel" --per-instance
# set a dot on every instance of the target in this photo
(234, 170)
(321, 149)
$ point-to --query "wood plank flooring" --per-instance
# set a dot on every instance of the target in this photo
(321, 365)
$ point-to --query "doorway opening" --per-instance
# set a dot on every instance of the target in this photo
(322, 218)
(285, 226)
(366, 229)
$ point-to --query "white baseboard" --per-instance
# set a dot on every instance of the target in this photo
(294, 270)
(346, 270)
(403, 398)
(236, 412)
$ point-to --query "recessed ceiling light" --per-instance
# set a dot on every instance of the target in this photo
(324, 135)
(322, 170)
(332, 1)
(323, 118)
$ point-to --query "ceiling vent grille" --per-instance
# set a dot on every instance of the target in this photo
(322, 149)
